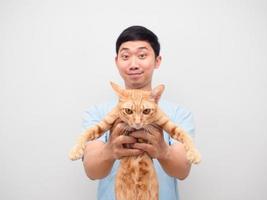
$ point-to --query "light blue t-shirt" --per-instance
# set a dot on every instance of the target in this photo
(168, 188)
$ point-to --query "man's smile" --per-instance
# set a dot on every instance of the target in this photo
(135, 74)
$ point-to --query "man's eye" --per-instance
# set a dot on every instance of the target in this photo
(124, 57)
(142, 56)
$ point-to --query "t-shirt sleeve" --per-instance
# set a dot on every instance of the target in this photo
(184, 119)
(92, 116)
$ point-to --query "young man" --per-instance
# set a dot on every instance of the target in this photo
(137, 57)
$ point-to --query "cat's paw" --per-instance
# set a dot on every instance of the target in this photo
(76, 152)
(193, 157)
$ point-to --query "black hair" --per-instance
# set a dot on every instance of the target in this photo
(134, 33)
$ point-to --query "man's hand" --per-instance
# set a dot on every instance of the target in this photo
(117, 141)
(172, 158)
(99, 157)
(156, 147)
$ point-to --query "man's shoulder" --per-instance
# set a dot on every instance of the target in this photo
(173, 110)
(101, 108)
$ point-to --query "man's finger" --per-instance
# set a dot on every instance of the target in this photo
(143, 146)
(123, 139)
(118, 129)
(131, 152)
(143, 135)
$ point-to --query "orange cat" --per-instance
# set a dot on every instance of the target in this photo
(136, 177)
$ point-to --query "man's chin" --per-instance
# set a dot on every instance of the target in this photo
(137, 85)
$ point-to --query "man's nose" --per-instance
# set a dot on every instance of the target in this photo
(134, 64)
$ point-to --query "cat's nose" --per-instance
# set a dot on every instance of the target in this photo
(137, 126)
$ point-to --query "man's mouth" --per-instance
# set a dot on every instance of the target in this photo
(135, 75)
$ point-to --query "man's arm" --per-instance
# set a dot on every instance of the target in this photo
(97, 160)
(174, 162)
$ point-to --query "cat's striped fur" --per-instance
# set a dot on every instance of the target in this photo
(136, 178)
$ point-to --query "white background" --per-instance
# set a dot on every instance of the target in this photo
(57, 58)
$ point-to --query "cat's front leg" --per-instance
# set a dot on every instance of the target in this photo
(92, 133)
(180, 135)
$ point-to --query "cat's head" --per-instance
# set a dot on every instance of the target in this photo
(138, 108)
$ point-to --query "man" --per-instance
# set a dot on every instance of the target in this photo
(138, 55)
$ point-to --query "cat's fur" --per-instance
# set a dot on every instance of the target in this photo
(136, 178)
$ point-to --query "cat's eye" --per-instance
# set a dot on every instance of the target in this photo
(146, 111)
(128, 111)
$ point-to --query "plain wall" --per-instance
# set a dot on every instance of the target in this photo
(57, 58)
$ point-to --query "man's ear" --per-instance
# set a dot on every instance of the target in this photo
(158, 62)
(156, 92)
(119, 91)
(116, 59)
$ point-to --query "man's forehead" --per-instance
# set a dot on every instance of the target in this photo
(135, 45)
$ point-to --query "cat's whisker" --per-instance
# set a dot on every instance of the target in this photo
(148, 129)
(154, 125)
(126, 130)
(138, 110)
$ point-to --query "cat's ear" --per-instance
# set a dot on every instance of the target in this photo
(156, 92)
(119, 91)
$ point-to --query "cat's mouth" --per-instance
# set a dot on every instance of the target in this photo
(137, 127)
(128, 132)
(132, 129)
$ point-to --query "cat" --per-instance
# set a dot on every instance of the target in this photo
(136, 177)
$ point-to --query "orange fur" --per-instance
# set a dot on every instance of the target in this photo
(136, 177)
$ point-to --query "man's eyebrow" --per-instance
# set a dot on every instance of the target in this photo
(124, 49)
(127, 49)
(140, 48)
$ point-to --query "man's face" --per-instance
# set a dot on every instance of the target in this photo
(136, 62)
